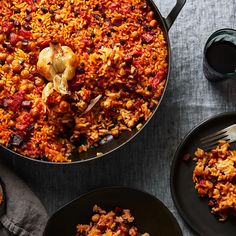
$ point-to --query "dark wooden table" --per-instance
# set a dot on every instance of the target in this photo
(144, 163)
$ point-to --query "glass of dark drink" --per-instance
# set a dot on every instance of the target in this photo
(219, 60)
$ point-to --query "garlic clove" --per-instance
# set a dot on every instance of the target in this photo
(60, 84)
(44, 64)
(48, 89)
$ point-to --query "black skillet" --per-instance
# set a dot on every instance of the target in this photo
(113, 144)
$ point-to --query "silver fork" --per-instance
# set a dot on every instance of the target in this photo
(228, 134)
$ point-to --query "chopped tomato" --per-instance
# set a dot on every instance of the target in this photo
(7, 26)
(14, 38)
(147, 38)
(32, 5)
(159, 77)
(13, 102)
(26, 34)
(44, 43)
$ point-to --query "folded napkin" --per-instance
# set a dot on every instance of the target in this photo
(25, 215)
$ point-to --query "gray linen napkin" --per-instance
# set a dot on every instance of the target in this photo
(25, 215)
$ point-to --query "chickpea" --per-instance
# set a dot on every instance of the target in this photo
(134, 34)
(3, 56)
(38, 81)
(16, 79)
(147, 71)
(11, 123)
(9, 59)
(30, 87)
(64, 106)
(31, 45)
(23, 87)
(129, 104)
(16, 66)
(34, 112)
(24, 74)
(122, 72)
(18, 44)
(95, 218)
(150, 15)
(153, 23)
(5, 68)
(58, 17)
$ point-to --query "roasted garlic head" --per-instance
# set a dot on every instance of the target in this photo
(58, 65)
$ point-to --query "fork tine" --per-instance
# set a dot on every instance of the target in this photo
(214, 134)
(211, 145)
(215, 138)
(217, 133)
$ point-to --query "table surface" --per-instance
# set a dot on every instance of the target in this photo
(144, 163)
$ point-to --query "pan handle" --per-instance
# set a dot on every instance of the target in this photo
(174, 13)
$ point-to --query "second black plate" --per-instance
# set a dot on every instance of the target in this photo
(150, 214)
(191, 207)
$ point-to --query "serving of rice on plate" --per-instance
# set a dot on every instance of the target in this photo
(214, 177)
(110, 223)
(74, 71)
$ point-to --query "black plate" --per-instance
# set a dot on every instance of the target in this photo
(192, 208)
(150, 214)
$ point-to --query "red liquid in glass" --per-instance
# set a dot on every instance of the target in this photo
(221, 56)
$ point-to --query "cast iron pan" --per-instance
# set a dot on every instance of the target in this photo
(112, 144)
(192, 208)
(150, 214)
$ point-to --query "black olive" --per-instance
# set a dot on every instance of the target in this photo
(108, 20)
(82, 64)
(2, 62)
(76, 13)
(30, 128)
(44, 10)
(17, 23)
(27, 26)
(80, 70)
(92, 34)
(28, 10)
(132, 8)
(122, 42)
(25, 42)
(149, 88)
(108, 34)
(90, 50)
(74, 108)
(112, 30)
(147, 28)
(104, 15)
(55, 42)
(26, 104)
(97, 17)
(28, 18)
(61, 5)
(140, 20)
(16, 140)
(18, 11)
